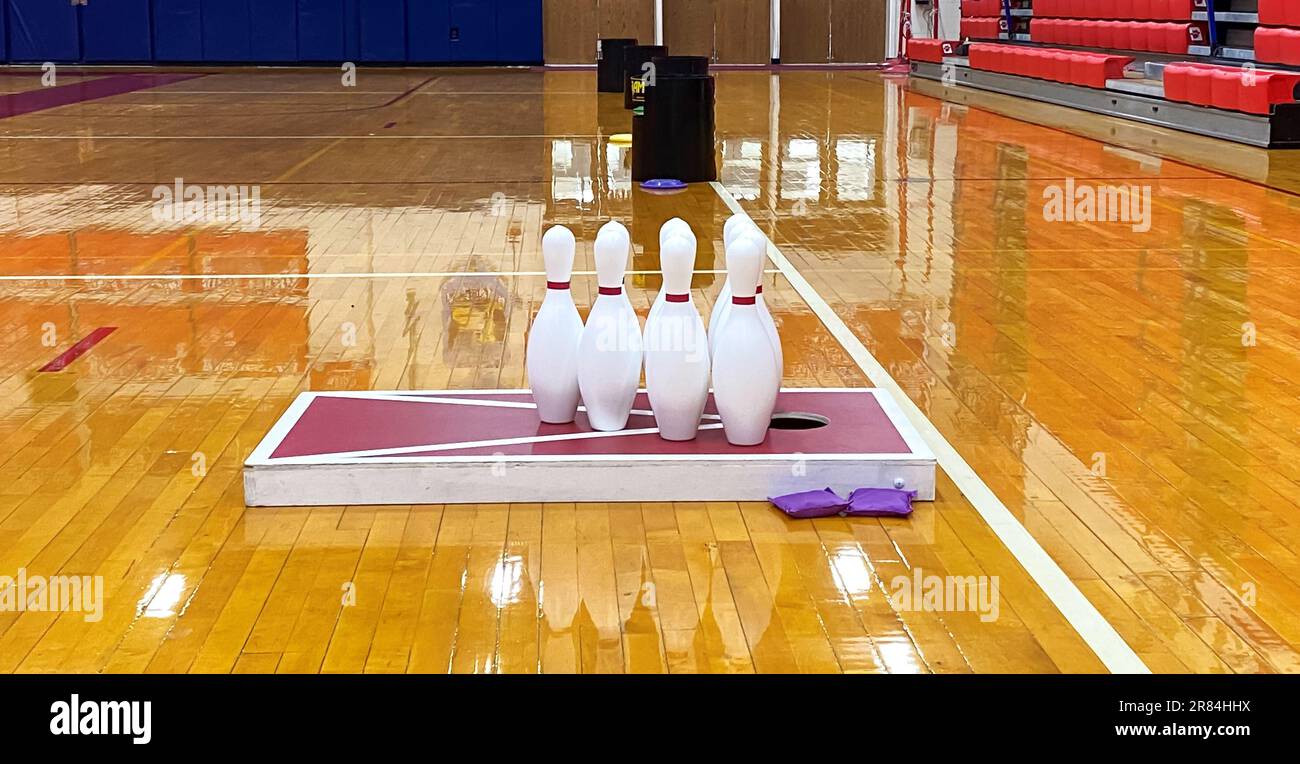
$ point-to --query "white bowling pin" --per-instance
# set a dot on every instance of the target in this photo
(617, 229)
(552, 355)
(770, 326)
(609, 353)
(732, 222)
(677, 349)
(724, 297)
(740, 226)
(674, 227)
(746, 379)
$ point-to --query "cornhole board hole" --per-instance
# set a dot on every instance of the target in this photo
(487, 446)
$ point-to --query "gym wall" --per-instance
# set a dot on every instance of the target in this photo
(832, 31)
(728, 31)
(432, 31)
(272, 31)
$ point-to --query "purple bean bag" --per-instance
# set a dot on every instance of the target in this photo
(880, 502)
(808, 504)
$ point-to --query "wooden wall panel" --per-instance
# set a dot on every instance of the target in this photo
(626, 18)
(570, 28)
(857, 29)
(805, 31)
(743, 31)
(569, 31)
(688, 27)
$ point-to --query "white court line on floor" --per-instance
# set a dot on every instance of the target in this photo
(1095, 630)
(294, 276)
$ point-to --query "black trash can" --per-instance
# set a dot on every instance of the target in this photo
(674, 139)
(635, 57)
(676, 66)
(609, 63)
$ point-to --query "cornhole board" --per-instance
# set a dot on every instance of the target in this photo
(487, 446)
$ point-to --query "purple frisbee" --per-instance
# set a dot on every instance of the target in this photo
(663, 184)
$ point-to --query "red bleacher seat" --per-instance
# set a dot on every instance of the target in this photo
(1272, 12)
(978, 28)
(1061, 68)
(1124, 10)
(981, 7)
(1250, 90)
(1199, 86)
(1282, 13)
(1268, 44)
(1067, 31)
(1088, 36)
(1154, 36)
(1176, 38)
(930, 50)
(1279, 46)
(1139, 35)
(1076, 68)
(1175, 81)
(1121, 37)
(1044, 30)
(1265, 89)
(1225, 89)
(1101, 33)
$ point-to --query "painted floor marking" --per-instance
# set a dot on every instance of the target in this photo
(79, 349)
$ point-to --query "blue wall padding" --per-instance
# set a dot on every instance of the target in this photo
(177, 30)
(352, 29)
(40, 30)
(274, 33)
(519, 31)
(382, 30)
(116, 30)
(426, 31)
(321, 32)
(226, 25)
(473, 30)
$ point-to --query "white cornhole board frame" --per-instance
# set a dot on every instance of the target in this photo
(735, 474)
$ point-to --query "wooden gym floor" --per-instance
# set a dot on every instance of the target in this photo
(1127, 395)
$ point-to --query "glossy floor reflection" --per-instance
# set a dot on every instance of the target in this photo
(1126, 387)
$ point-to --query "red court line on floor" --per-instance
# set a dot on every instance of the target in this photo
(41, 99)
(76, 351)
